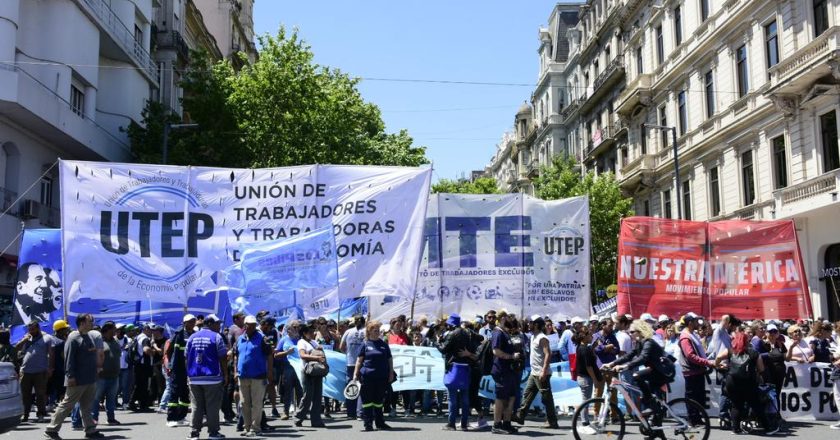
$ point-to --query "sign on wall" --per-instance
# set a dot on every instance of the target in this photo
(161, 232)
(510, 251)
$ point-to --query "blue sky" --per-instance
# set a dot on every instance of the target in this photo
(457, 40)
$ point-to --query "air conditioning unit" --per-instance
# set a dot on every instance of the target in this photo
(31, 209)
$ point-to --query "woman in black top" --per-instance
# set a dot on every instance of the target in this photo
(647, 353)
(588, 373)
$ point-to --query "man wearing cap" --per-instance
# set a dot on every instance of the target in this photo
(694, 361)
(664, 321)
(252, 355)
(206, 366)
(540, 378)
(143, 371)
(456, 349)
(37, 366)
(176, 363)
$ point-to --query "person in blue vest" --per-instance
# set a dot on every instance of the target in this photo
(206, 364)
(253, 368)
(375, 370)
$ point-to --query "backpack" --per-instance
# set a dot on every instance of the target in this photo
(741, 366)
(485, 358)
(134, 357)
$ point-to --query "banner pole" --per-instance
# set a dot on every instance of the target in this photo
(834, 288)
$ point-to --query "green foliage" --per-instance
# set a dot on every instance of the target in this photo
(482, 185)
(607, 206)
(282, 110)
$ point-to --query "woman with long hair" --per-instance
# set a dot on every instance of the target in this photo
(646, 354)
(741, 384)
(588, 374)
(313, 386)
(821, 342)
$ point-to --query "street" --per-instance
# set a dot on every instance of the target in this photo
(152, 426)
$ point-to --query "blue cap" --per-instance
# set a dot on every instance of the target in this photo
(454, 320)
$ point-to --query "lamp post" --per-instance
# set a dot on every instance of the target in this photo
(166, 128)
(673, 131)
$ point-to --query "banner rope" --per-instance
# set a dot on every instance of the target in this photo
(20, 197)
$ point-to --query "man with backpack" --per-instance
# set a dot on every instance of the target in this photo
(741, 385)
(693, 360)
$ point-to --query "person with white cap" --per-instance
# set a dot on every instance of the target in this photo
(567, 347)
(175, 362)
(774, 350)
(663, 322)
(694, 361)
(206, 365)
(253, 362)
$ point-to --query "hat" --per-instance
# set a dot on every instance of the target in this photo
(593, 318)
(60, 324)
(772, 328)
(188, 317)
(211, 318)
(454, 320)
(647, 317)
(130, 327)
(664, 318)
(250, 319)
(351, 391)
(120, 325)
(577, 320)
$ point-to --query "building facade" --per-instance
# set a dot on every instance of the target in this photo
(231, 23)
(749, 90)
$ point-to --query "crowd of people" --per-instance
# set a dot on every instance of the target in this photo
(203, 374)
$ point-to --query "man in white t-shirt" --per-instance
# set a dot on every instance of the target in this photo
(351, 342)
(540, 378)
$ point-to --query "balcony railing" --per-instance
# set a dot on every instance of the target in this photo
(8, 198)
(645, 162)
(615, 66)
(632, 94)
(572, 107)
(122, 35)
(821, 47)
(173, 40)
(826, 183)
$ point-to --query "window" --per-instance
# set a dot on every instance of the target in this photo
(678, 25)
(686, 200)
(714, 191)
(820, 17)
(704, 10)
(660, 46)
(779, 162)
(742, 70)
(646, 209)
(46, 191)
(709, 86)
(771, 43)
(682, 112)
(747, 177)
(828, 131)
(595, 70)
(138, 34)
(77, 101)
(666, 203)
(663, 121)
(643, 139)
(640, 66)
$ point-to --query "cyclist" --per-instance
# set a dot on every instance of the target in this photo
(647, 354)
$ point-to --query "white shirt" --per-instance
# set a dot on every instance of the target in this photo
(553, 341)
(306, 347)
(537, 355)
(625, 342)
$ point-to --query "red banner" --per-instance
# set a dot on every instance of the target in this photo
(750, 269)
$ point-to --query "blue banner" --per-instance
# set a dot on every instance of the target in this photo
(272, 275)
(39, 294)
(162, 313)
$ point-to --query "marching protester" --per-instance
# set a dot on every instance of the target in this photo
(821, 342)
(352, 341)
(81, 361)
(55, 384)
(605, 346)
(253, 360)
(774, 353)
(108, 382)
(290, 388)
(694, 360)
(142, 353)
(375, 369)
(206, 366)
(588, 373)
(744, 367)
(37, 366)
(797, 349)
(315, 369)
(540, 378)
(458, 358)
(505, 378)
(175, 363)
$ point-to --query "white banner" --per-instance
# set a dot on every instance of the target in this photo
(510, 251)
(135, 231)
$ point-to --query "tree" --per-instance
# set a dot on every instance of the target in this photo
(282, 110)
(607, 206)
(482, 185)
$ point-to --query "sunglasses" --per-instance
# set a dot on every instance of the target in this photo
(633, 331)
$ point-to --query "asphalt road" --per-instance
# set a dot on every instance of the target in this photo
(152, 426)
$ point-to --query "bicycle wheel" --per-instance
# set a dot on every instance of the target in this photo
(588, 425)
(690, 412)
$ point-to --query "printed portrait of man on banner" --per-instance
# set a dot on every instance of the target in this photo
(38, 293)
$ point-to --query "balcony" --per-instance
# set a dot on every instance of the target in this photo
(172, 40)
(633, 172)
(797, 72)
(751, 212)
(613, 73)
(120, 35)
(533, 168)
(571, 109)
(637, 92)
(818, 191)
(602, 140)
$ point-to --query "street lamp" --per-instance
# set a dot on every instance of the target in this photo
(673, 131)
(166, 128)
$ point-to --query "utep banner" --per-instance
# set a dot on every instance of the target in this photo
(151, 232)
(38, 289)
(749, 268)
(510, 251)
(270, 273)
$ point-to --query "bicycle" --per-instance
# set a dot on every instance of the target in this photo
(673, 417)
